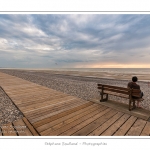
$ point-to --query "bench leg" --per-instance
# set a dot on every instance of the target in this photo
(104, 99)
(130, 103)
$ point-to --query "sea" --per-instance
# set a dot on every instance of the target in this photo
(109, 70)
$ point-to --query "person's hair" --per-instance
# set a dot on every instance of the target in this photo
(134, 79)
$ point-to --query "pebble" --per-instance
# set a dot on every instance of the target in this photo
(8, 111)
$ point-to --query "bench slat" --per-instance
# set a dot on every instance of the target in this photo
(113, 87)
(116, 94)
(117, 91)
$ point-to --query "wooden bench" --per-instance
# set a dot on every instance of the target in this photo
(127, 93)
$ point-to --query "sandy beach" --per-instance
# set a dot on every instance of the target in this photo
(80, 84)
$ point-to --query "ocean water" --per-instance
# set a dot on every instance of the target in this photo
(109, 70)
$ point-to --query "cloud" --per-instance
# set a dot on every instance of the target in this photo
(72, 40)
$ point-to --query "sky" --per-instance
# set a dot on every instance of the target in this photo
(74, 41)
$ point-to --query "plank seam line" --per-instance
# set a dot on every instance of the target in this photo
(103, 123)
(148, 119)
(86, 110)
(122, 124)
(143, 128)
(85, 120)
(15, 130)
(131, 125)
(48, 106)
(112, 123)
(31, 125)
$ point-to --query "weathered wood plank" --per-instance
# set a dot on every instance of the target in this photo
(114, 127)
(146, 130)
(126, 126)
(65, 100)
(59, 115)
(8, 130)
(32, 130)
(106, 125)
(68, 116)
(35, 99)
(137, 128)
(70, 120)
(46, 110)
(21, 128)
(76, 122)
(82, 122)
(89, 127)
(53, 113)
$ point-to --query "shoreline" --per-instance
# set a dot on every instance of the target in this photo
(107, 74)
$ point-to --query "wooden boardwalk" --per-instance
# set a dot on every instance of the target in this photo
(51, 113)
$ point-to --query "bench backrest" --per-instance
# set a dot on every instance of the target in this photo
(121, 90)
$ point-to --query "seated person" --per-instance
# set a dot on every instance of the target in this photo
(133, 85)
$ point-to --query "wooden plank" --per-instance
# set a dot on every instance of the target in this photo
(29, 89)
(76, 122)
(45, 110)
(21, 128)
(59, 115)
(113, 87)
(116, 94)
(27, 95)
(117, 91)
(114, 127)
(68, 116)
(49, 113)
(106, 125)
(8, 130)
(126, 126)
(89, 127)
(82, 122)
(72, 119)
(66, 100)
(146, 130)
(53, 113)
(45, 103)
(34, 99)
(137, 128)
(37, 91)
(31, 128)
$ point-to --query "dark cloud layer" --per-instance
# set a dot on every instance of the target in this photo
(44, 40)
